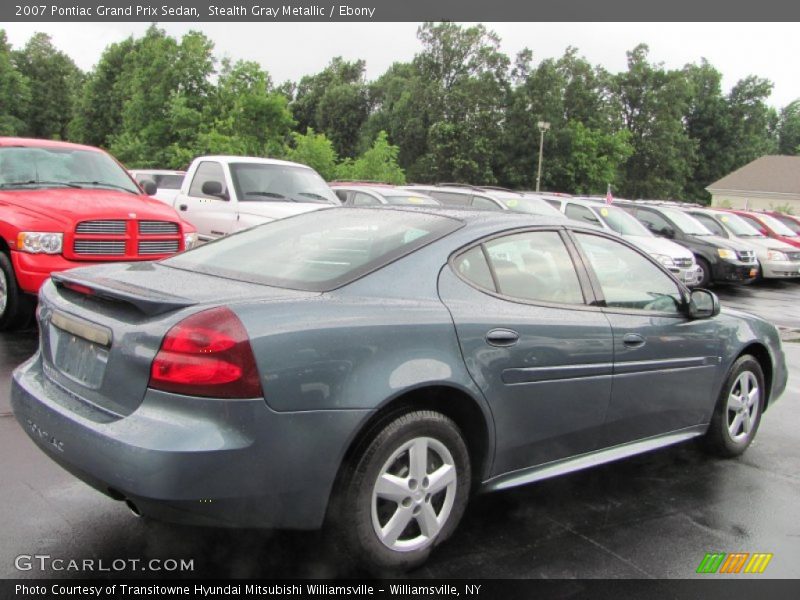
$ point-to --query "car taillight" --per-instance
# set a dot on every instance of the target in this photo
(207, 354)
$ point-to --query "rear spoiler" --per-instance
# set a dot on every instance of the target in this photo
(147, 301)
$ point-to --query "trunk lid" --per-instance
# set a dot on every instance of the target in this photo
(102, 326)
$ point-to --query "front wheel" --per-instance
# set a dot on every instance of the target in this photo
(16, 308)
(705, 272)
(404, 493)
(738, 411)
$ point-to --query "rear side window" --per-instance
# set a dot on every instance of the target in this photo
(316, 251)
(485, 203)
(533, 266)
(362, 199)
(168, 182)
(207, 171)
(451, 198)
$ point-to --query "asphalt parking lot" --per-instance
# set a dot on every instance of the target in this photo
(653, 516)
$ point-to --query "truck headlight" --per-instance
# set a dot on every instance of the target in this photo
(664, 260)
(40, 242)
(777, 255)
(726, 254)
(189, 240)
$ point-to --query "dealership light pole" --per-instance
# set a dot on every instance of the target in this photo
(543, 126)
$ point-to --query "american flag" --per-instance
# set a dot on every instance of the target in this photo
(609, 197)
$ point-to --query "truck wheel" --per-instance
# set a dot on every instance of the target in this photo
(15, 307)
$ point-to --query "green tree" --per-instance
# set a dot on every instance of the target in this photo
(334, 102)
(789, 129)
(595, 158)
(379, 163)
(14, 92)
(754, 123)
(653, 104)
(316, 151)
(98, 109)
(54, 82)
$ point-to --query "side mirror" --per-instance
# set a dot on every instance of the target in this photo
(214, 188)
(703, 304)
(148, 186)
(668, 232)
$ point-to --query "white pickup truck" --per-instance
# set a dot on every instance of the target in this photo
(221, 195)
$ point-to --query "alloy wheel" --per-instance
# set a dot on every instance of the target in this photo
(743, 405)
(413, 495)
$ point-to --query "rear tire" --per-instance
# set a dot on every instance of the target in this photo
(403, 493)
(739, 407)
(705, 268)
(16, 308)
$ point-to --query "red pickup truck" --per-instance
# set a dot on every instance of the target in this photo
(65, 205)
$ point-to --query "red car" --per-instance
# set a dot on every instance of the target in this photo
(791, 221)
(65, 205)
(769, 226)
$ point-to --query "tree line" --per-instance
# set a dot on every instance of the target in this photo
(461, 110)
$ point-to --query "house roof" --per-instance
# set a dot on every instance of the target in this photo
(770, 174)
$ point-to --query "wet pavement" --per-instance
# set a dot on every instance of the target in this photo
(655, 515)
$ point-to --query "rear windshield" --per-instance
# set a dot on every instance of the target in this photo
(317, 251)
(168, 182)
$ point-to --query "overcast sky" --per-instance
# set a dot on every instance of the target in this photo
(291, 50)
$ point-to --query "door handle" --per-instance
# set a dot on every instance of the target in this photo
(633, 340)
(502, 337)
(182, 207)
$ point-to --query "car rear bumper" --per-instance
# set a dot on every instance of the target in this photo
(191, 460)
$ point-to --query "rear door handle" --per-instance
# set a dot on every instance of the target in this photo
(502, 337)
(633, 340)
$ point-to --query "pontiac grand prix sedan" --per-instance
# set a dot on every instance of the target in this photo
(367, 369)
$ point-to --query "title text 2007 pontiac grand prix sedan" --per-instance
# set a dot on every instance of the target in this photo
(367, 369)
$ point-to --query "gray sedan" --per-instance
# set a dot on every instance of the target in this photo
(367, 369)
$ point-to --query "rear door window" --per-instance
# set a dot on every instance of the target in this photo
(581, 213)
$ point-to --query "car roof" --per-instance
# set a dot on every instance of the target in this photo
(39, 143)
(475, 216)
(157, 172)
(251, 160)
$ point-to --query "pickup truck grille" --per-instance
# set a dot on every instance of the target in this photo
(104, 247)
(147, 247)
(682, 262)
(101, 227)
(121, 239)
(157, 227)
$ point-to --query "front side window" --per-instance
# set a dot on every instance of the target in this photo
(712, 225)
(628, 279)
(534, 266)
(207, 171)
(653, 221)
(451, 198)
(577, 212)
